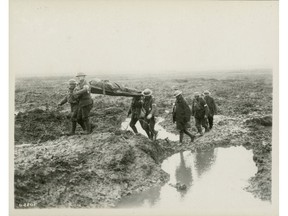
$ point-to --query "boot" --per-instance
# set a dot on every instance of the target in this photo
(155, 134)
(192, 137)
(206, 129)
(134, 128)
(87, 127)
(81, 123)
(200, 131)
(73, 128)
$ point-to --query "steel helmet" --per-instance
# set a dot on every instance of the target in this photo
(147, 92)
(177, 93)
(72, 81)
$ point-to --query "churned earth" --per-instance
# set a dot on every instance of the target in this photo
(96, 170)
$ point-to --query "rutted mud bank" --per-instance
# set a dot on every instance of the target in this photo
(86, 171)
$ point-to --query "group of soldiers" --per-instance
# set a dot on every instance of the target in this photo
(81, 103)
(142, 109)
(203, 109)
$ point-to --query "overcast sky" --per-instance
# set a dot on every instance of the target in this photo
(67, 36)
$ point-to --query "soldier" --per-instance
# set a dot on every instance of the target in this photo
(74, 104)
(182, 115)
(149, 121)
(211, 106)
(200, 112)
(135, 110)
(85, 101)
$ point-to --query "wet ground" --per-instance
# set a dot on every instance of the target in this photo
(214, 178)
(162, 133)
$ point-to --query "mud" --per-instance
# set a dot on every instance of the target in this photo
(96, 170)
(86, 171)
(39, 125)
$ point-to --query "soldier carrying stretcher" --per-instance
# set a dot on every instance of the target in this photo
(74, 104)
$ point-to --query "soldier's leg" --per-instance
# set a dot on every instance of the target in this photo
(204, 122)
(81, 123)
(145, 126)
(152, 123)
(198, 125)
(181, 135)
(73, 128)
(74, 113)
(210, 119)
(80, 118)
(133, 122)
(189, 134)
(85, 116)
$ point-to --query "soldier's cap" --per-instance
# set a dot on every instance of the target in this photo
(206, 92)
(147, 92)
(177, 93)
(72, 81)
(80, 74)
(196, 94)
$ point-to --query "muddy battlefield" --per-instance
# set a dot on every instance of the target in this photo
(115, 157)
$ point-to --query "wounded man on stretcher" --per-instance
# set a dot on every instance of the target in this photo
(107, 87)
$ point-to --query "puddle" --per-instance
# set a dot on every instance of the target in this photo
(215, 180)
(162, 133)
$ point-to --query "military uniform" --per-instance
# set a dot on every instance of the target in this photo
(200, 111)
(212, 109)
(135, 110)
(74, 105)
(148, 125)
(85, 103)
(182, 115)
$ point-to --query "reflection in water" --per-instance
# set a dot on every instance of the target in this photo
(146, 199)
(215, 180)
(204, 160)
(183, 175)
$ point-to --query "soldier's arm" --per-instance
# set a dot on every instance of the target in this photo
(154, 107)
(174, 113)
(63, 101)
(187, 110)
(130, 110)
(192, 108)
(86, 88)
(204, 104)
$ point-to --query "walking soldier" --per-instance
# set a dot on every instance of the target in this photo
(149, 121)
(211, 107)
(85, 100)
(182, 115)
(74, 104)
(200, 112)
(135, 110)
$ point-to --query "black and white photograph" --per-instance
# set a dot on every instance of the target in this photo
(143, 107)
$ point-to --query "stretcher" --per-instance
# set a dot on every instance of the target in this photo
(107, 87)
